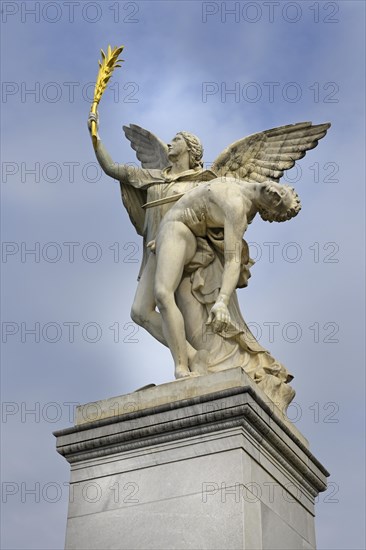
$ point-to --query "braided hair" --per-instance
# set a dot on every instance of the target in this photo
(195, 149)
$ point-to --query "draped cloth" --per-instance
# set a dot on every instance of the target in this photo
(200, 285)
(236, 345)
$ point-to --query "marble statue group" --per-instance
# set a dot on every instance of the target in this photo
(192, 221)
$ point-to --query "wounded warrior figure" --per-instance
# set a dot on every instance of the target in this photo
(186, 294)
(223, 203)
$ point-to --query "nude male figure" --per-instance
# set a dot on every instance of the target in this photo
(223, 203)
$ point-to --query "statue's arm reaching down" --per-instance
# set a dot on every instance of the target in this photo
(234, 227)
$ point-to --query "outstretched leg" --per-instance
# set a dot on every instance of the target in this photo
(143, 311)
(175, 247)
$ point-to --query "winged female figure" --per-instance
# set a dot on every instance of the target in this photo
(215, 338)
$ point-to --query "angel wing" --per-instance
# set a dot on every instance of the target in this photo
(150, 150)
(153, 153)
(268, 154)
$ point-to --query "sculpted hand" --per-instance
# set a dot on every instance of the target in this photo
(219, 317)
(191, 219)
(92, 117)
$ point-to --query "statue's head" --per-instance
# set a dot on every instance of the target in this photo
(184, 141)
(277, 202)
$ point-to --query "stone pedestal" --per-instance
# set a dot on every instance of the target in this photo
(204, 463)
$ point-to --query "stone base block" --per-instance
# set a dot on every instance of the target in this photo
(204, 463)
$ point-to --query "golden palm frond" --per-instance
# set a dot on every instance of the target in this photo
(106, 67)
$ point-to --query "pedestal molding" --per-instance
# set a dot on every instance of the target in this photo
(195, 423)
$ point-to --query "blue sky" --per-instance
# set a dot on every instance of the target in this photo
(181, 61)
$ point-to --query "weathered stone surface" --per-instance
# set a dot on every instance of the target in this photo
(194, 254)
(211, 471)
(185, 388)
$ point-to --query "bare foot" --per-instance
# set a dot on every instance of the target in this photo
(184, 373)
(181, 372)
(200, 361)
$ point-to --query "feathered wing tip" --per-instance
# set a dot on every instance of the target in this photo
(151, 151)
(268, 154)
